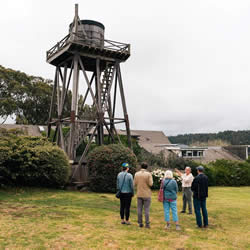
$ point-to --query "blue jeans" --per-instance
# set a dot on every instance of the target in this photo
(200, 205)
(173, 205)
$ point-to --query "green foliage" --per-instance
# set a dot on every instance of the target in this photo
(220, 172)
(229, 137)
(32, 161)
(107, 140)
(230, 173)
(28, 98)
(154, 160)
(104, 163)
(87, 112)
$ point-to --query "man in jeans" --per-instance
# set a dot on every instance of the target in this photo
(200, 194)
(143, 182)
(187, 180)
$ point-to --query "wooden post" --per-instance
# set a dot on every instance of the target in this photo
(73, 107)
(58, 135)
(52, 104)
(124, 105)
(87, 92)
(100, 133)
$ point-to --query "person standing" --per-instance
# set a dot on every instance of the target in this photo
(200, 194)
(187, 180)
(143, 182)
(170, 189)
(125, 185)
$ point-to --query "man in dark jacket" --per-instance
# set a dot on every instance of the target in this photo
(200, 193)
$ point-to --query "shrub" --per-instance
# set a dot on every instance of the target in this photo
(230, 173)
(32, 161)
(104, 163)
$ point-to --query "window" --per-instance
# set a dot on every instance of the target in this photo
(195, 153)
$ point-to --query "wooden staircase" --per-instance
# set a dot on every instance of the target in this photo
(105, 84)
(82, 131)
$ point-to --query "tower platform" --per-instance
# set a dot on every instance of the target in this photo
(63, 51)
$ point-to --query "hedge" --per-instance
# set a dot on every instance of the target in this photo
(32, 161)
(220, 172)
(104, 163)
(230, 173)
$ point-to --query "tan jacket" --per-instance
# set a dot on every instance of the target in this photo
(143, 181)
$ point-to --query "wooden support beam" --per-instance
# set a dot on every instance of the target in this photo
(88, 83)
(52, 105)
(66, 91)
(110, 133)
(87, 92)
(71, 152)
(88, 145)
(100, 133)
(124, 105)
(58, 92)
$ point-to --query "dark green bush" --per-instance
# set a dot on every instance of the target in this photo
(104, 163)
(32, 161)
(230, 173)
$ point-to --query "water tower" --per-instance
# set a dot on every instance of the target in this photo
(85, 53)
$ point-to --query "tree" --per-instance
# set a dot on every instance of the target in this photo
(12, 88)
(34, 108)
(27, 98)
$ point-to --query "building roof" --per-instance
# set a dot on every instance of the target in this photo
(32, 130)
(150, 140)
(149, 136)
(217, 153)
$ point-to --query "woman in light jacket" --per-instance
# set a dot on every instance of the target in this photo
(125, 185)
(170, 189)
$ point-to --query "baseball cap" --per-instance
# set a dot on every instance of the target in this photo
(125, 165)
(200, 168)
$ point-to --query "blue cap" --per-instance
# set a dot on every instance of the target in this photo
(200, 168)
(125, 165)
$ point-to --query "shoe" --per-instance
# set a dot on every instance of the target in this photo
(140, 225)
(147, 226)
(206, 226)
(199, 226)
(190, 213)
(127, 223)
(178, 228)
(183, 212)
(167, 226)
(123, 222)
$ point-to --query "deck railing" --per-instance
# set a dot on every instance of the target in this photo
(94, 43)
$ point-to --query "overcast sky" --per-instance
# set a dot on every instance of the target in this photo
(189, 69)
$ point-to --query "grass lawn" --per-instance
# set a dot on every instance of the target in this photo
(57, 219)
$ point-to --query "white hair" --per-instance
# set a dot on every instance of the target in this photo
(169, 174)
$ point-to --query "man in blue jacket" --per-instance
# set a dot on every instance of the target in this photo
(200, 194)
